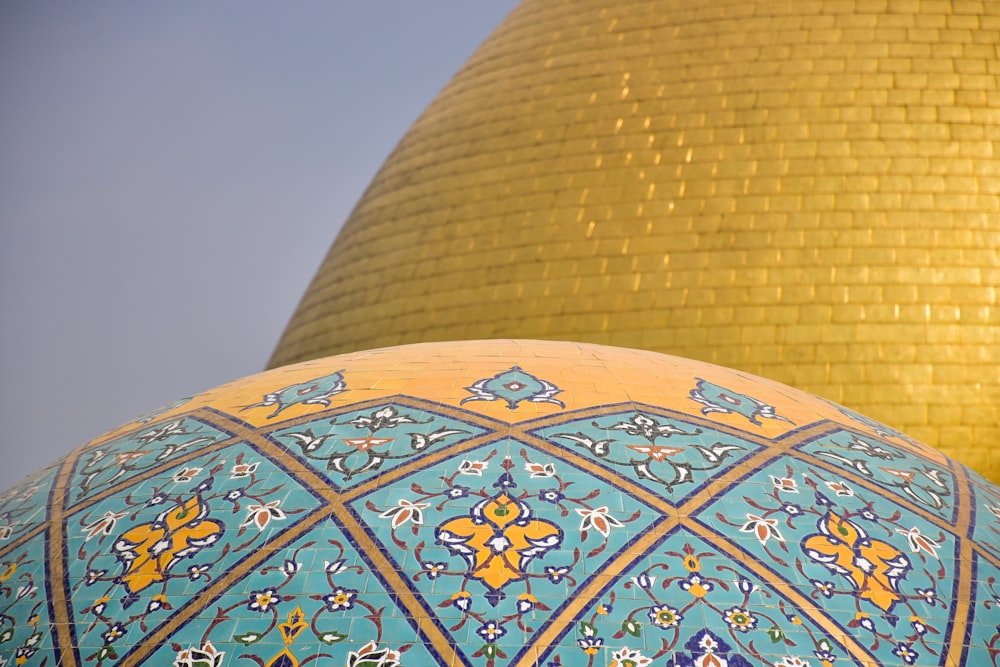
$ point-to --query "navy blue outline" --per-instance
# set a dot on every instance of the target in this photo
(49, 606)
(486, 424)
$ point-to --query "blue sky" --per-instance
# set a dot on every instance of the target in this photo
(171, 175)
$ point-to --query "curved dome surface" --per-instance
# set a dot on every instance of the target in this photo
(804, 190)
(501, 503)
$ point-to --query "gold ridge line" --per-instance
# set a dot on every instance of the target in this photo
(210, 417)
(515, 432)
(56, 555)
(397, 585)
(629, 486)
(802, 604)
(963, 573)
(142, 475)
(984, 554)
(588, 594)
(756, 459)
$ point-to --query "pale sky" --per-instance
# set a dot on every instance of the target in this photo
(171, 175)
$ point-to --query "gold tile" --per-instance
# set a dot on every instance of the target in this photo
(819, 178)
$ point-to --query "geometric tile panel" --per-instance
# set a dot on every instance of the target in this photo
(133, 559)
(361, 444)
(501, 503)
(22, 507)
(125, 457)
(872, 564)
(909, 476)
(667, 456)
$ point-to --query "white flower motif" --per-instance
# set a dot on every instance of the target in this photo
(334, 567)
(103, 526)
(841, 489)
(25, 591)
(405, 511)
(599, 519)
(185, 475)
(241, 470)
(540, 470)
(206, 656)
(763, 529)
(476, 468)
(629, 658)
(792, 661)
(644, 580)
(786, 484)
(261, 515)
(371, 656)
(919, 542)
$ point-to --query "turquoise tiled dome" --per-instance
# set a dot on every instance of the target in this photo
(501, 503)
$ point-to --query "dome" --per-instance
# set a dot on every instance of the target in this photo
(806, 191)
(501, 503)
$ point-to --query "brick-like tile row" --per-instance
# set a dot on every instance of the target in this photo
(804, 190)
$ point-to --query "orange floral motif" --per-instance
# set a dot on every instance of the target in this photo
(498, 540)
(599, 519)
(149, 550)
(656, 452)
(364, 444)
(873, 567)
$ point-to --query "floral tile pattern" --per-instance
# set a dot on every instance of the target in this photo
(666, 454)
(121, 459)
(140, 556)
(912, 478)
(26, 631)
(873, 565)
(360, 444)
(501, 503)
(25, 505)
(688, 600)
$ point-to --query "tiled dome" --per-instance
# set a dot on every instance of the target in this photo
(501, 503)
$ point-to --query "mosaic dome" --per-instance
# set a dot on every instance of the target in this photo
(501, 503)
(802, 190)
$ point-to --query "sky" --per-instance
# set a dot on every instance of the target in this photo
(171, 176)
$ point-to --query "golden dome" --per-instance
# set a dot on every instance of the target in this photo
(803, 190)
